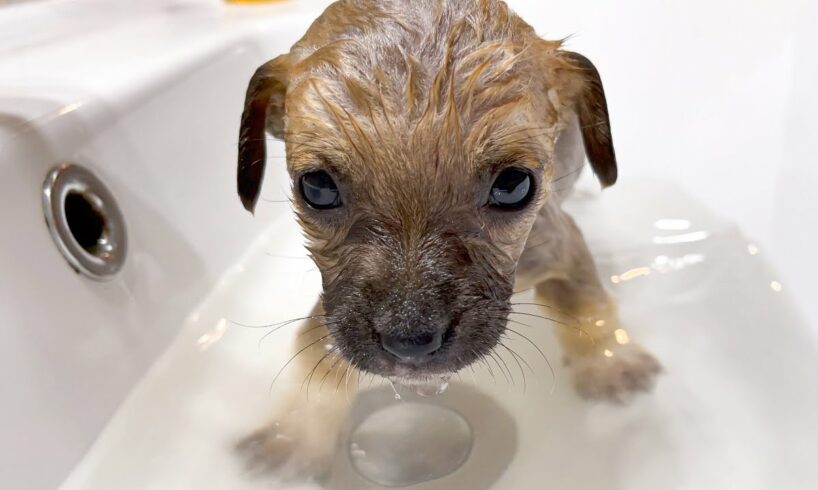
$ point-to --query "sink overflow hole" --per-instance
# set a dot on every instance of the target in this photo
(87, 225)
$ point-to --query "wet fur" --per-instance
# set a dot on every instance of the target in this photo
(413, 107)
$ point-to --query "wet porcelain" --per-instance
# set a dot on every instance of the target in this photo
(143, 382)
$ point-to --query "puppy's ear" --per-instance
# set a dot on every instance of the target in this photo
(592, 111)
(263, 109)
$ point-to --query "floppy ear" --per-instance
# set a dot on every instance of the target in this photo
(592, 111)
(263, 109)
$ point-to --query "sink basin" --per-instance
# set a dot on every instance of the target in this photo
(147, 380)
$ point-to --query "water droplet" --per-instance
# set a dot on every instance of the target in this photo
(394, 388)
(444, 384)
(433, 386)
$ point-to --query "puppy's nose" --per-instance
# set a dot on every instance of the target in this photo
(412, 347)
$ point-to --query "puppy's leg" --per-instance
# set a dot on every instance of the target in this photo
(301, 439)
(605, 361)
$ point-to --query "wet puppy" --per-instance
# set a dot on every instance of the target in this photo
(424, 139)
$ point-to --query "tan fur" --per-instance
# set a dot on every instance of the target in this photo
(470, 93)
(407, 113)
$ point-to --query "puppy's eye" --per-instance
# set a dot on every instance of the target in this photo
(512, 189)
(319, 190)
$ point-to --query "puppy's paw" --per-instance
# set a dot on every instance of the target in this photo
(300, 445)
(615, 374)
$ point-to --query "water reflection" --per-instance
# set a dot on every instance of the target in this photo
(630, 274)
(621, 336)
(69, 108)
(207, 340)
(694, 236)
(672, 224)
(663, 263)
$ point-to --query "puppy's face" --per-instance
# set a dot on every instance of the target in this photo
(417, 237)
(416, 185)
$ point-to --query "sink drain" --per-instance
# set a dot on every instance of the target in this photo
(410, 443)
(85, 221)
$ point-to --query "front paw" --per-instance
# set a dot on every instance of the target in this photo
(615, 373)
(301, 445)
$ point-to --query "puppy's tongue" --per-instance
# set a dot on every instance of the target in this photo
(426, 386)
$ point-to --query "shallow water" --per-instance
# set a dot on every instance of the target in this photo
(736, 408)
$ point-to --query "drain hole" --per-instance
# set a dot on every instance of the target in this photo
(86, 224)
(85, 221)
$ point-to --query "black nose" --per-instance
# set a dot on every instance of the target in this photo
(412, 347)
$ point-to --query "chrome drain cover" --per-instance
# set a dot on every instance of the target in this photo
(409, 443)
(85, 221)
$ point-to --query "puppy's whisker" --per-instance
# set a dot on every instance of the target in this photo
(545, 358)
(491, 356)
(321, 325)
(516, 322)
(517, 358)
(264, 337)
(280, 324)
(550, 307)
(485, 361)
(498, 359)
(346, 371)
(577, 170)
(346, 384)
(337, 376)
(578, 329)
(308, 378)
(482, 359)
(301, 351)
(539, 316)
(338, 357)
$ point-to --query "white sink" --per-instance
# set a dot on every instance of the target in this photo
(141, 382)
(148, 98)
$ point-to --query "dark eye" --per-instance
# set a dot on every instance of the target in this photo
(512, 189)
(319, 190)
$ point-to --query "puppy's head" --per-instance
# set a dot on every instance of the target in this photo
(420, 157)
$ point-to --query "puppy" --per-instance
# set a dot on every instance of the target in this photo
(426, 141)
